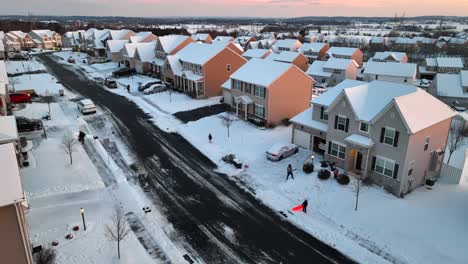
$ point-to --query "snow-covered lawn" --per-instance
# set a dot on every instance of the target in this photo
(19, 67)
(39, 82)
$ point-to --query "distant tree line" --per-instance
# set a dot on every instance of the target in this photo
(27, 26)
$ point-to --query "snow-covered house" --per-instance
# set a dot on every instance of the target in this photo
(345, 53)
(390, 72)
(292, 57)
(18, 40)
(450, 87)
(143, 36)
(168, 45)
(314, 51)
(46, 39)
(202, 37)
(128, 54)
(114, 50)
(15, 245)
(389, 133)
(404, 44)
(200, 69)
(144, 56)
(244, 40)
(256, 53)
(390, 56)
(379, 43)
(267, 92)
(73, 39)
(432, 66)
(331, 72)
(286, 45)
(96, 40)
(223, 39)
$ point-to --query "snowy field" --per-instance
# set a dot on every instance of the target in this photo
(42, 83)
(427, 226)
(20, 67)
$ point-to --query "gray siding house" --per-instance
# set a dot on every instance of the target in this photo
(392, 134)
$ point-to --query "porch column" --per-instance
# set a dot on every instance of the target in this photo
(237, 108)
(245, 114)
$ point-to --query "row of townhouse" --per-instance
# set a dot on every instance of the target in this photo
(392, 134)
(15, 245)
(41, 39)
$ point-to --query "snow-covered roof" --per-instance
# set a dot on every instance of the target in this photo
(146, 51)
(199, 53)
(391, 69)
(129, 49)
(408, 41)
(360, 140)
(18, 33)
(116, 45)
(227, 84)
(284, 56)
(286, 43)
(200, 37)
(8, 131)
(43, 33)
(451, 85)
(397, 56)
(450, 62)
(305, 119)
(11, 190)
(140, 36)
(223, 39)
(119, 34)
(260, 72)
(3, 72)
(342, 64)
(313, 47)
(171, 42)
(255, 53)
(342, 51)
(316, 69)
(327, 98)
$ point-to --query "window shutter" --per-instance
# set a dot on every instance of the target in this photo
(382, 134)
(395, 171)
(336, 122)
(347, 125)
(329, 147)
(397, 135)
(373, 163)
(321, 112)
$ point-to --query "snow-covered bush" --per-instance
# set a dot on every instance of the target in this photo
(324, 174)
(308, 167)
(343, 179)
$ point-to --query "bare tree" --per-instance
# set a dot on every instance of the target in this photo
(45, 256)
(13, 82)
(119, 229)
(48, 98)
(455, 139)
(227, 120)
(356, 187)
(69, 144)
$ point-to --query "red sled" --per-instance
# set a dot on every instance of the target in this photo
(298, 208)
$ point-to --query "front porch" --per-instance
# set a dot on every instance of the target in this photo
(358, 156)
(244, 106)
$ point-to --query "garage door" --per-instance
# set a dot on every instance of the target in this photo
(302, 139)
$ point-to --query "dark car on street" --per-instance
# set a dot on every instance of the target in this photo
(148, 85)
(24, 124)
(123, 72)
(110, 83)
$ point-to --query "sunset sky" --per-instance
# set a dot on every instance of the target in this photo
(261, 8)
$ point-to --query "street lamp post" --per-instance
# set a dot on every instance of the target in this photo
(82, 217)
(312, 157)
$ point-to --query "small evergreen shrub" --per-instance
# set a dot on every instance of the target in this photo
(324, 174)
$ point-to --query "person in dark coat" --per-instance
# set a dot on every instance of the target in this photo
(335, 173)
(81, 137)
(210, 138)
(128, 88)
(290, 172)
(304, 206)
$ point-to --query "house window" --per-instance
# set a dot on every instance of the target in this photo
(364, 127)
(376, 77)
(259, 91)
(385, 166)
(259, 110)
(389, 136)
(341, 123)
(337, 150)
(228, 67)
(236, 85)
(323, 114)
(411, 168)
(337, 71)
(426, 143)
(248, 88)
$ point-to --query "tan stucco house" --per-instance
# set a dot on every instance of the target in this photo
(390, 133)
(268, 92)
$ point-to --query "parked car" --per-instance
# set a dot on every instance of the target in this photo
(93, 60)
(147, 85)
(24, 124)
(18, 57)
(110, 83)
(123, 72)
(280, 151)
(71, 60)
(156, 88)
(19, 98)
(86, 106)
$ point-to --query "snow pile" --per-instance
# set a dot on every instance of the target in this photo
(21, 67)
(41, 83)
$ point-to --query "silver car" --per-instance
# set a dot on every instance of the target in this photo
(280, 151)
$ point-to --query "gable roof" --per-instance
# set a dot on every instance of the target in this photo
(129, 49)
(261, 72)
(145, 51)
(314, 47)
(116, 45)
(451, 85)
(223, 39)
(284, 56)
(171, 42)
(343, 51)
(286, 43)
(391, 69)
(316, 69)
(140, 36)
(200, 36)
(119, 34)
(199, 53)
(255, 53)
(327, 98)
(11, 190)
(342, 64)
(397, 56)
(450, 62)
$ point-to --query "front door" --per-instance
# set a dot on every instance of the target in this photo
(358, 161)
